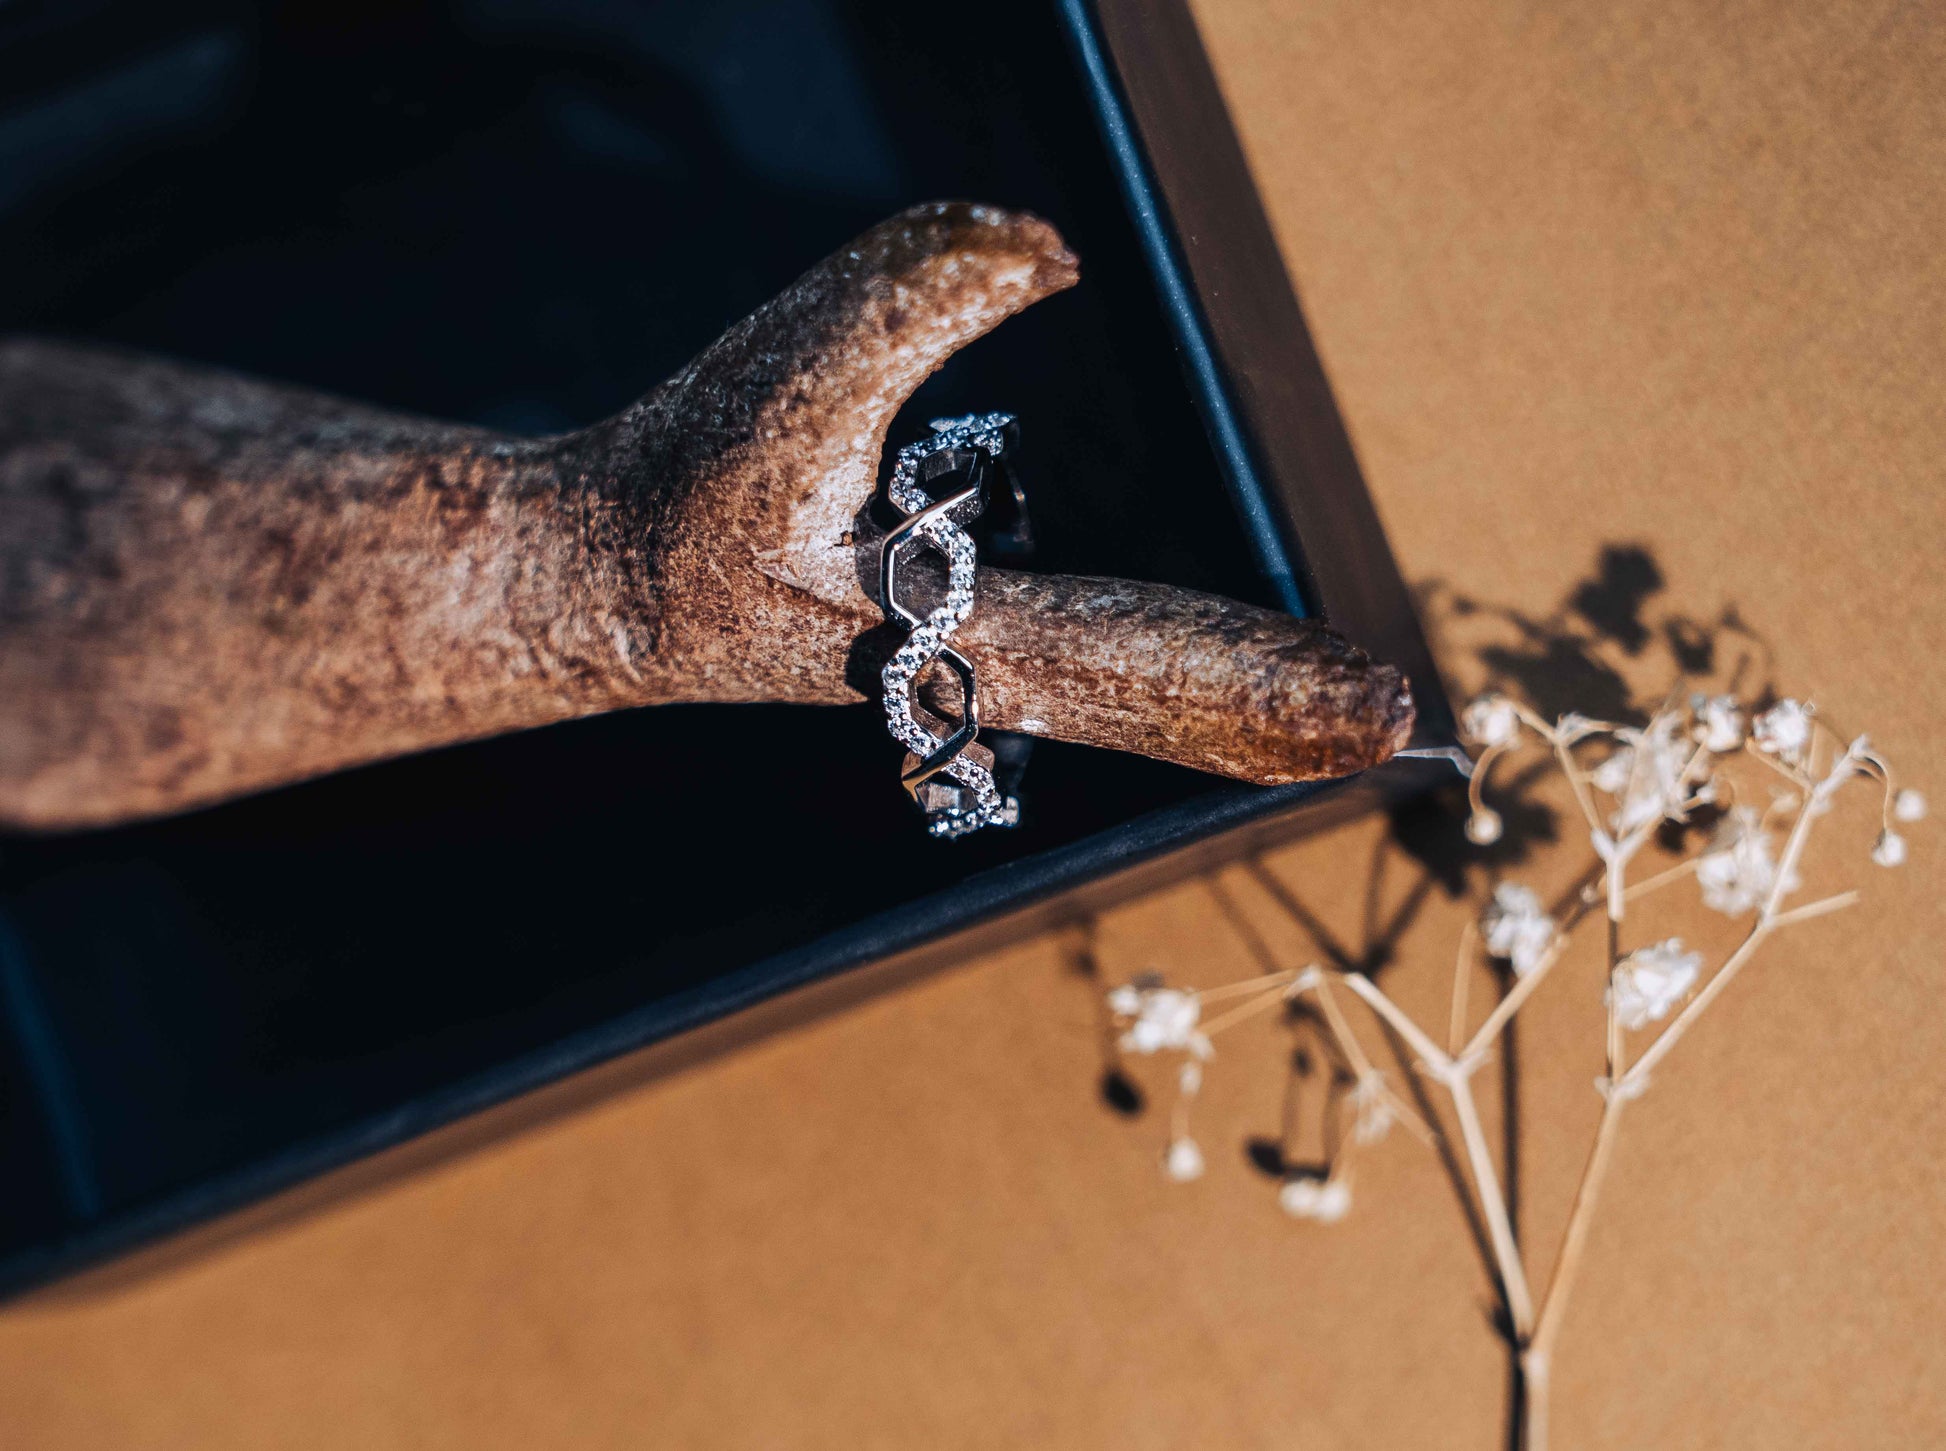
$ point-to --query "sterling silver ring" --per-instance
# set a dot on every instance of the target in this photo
(938, 486)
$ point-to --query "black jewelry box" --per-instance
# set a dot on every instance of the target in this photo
(524, 213)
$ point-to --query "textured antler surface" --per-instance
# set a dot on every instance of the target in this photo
(214, 585)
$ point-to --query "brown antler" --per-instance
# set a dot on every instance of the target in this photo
(214, 585)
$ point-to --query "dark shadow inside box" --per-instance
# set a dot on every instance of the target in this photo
(524, 213)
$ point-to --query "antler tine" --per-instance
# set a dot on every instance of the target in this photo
(213, 585)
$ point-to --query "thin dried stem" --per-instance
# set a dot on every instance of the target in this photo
(1361, 1063)
(1575, 1239)
(1244, 1010)
(1573, 773)
(1462, 978)
(1429, 1052)
(1334, 1018)
(1536, 1357)
(1516, 997)
(1535, 1376)
(1493, 1204)
(1617, 859)
(1614, 1022)
(1248, 985)
(1476, 782)
(1660, 879)
(1797, 778)
(1801, 832)
(1815, 909)
(1530, 981)
(1455, 1076)
(1638, 1074)
(1768, 918)
(1179, 1112)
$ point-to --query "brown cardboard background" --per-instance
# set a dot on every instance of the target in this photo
(1654, 273)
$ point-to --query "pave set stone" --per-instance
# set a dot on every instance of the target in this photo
(984, 432)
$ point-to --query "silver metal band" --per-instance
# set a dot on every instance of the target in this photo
(956, 791)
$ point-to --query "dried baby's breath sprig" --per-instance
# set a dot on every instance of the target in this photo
(1652, 775)
(1630, 784)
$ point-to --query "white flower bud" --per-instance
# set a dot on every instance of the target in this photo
(1334, 1201)
(1164, 1017)
(1612, 774)
(1325, 1200)
(1889, 849)
(1483, 827)
(1650, 981)
(1491, 720)
(1720, 724)
(1572, 726)
(1784, 730)
(1909, 805)
(1647, 773)
(1371, 1110)
(1516, 929)
(1184, 1161)
(1737, 871)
